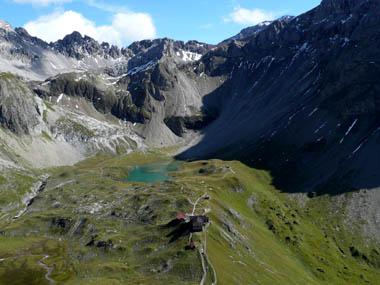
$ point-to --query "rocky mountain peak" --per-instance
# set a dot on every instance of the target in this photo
(78, 46)
(75, 37)
(22, 32)
(198, 47)
(150, 51)
(74, 45)
(286, 18)
(5, 26)
(254, 30)
(166, 44)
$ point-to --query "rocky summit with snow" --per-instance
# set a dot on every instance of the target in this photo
(298, 98)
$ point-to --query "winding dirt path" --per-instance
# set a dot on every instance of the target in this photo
(204, 268)
(202, 250)
(207, 259)
(48, 269)
(195, 204)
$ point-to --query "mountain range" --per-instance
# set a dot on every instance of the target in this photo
(299, 94)
(298, 97)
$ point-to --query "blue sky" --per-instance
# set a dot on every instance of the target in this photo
(122, 22)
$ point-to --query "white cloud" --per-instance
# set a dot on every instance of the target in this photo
(245, 16)
(107, 7)
(41, 2)
(125, 28)
(134, 26)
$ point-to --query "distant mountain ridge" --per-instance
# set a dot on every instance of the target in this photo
(128, 88)
(35, 59)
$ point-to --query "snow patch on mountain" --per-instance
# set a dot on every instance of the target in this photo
(188, 55)
(60, 97)
(141, 68)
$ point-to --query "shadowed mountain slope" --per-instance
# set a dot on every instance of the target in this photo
(302, 99)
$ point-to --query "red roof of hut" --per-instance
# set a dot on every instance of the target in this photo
(181, 216)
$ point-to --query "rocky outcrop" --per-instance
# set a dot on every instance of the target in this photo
(179, 125)
(70, 84)
(19, 112)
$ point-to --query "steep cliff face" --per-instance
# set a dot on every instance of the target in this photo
(19, 111)
(302, 99)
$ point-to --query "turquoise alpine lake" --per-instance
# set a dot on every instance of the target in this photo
(153, 172)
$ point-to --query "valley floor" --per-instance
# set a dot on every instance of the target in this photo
(86, 224)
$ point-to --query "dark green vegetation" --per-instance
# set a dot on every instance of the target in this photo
(90, 226)
(71, 128)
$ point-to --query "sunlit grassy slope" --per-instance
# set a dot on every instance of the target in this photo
(90, 226)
